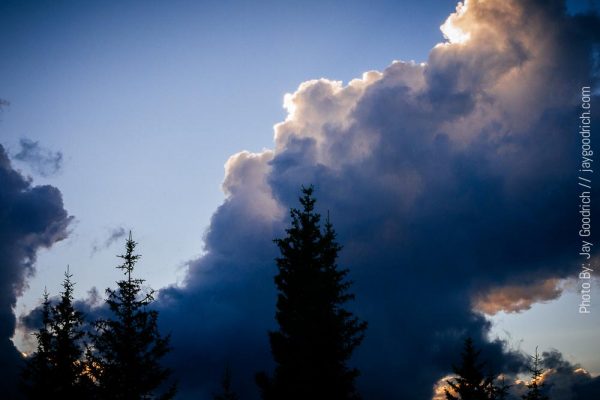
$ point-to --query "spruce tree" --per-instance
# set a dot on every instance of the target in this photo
(496, 388)
(37, 374)
(57, 369)
(501, 391)
(127, 349)
(470, 383)
(534, 388)
(316, 335)
(67, 326)
(227, 392)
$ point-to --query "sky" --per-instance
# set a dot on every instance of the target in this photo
(136, 115)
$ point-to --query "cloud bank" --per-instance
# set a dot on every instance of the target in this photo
(31, 218)
(446, 181)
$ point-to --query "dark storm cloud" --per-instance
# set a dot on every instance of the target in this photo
(41, 160)
(446, 181)
(31, 218)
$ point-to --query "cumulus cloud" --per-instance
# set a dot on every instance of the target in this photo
(31, 218)
(43, 161)
(517, 298)
(449, 182)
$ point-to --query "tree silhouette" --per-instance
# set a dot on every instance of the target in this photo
(56, 369)
(127, 349)
(316, 335)
(497, 388)
(227, 391)
(470, 383)
(37, 374)
(535, 386)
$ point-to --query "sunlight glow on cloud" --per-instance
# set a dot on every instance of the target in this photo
(517, 298)
(430, 175)
(454, 33)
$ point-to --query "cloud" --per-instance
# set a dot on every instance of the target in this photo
(31, 218)
(437, 176)
(450, 183)
(43, 161)
(114, 235)
(517, 298)
(562, 379)
(447, 181)
(92, 307)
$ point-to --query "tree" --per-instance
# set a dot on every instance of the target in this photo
(67, 327)
(227, 391)
(535, 386)
(316, 335)
(127, 348)
(57, 368)
(37, 379)
(470, 383)
(497, 391)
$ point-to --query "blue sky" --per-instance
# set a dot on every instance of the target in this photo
(147, 101)
(138, 93)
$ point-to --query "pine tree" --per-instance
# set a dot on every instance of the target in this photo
(501, 391)
(316, 335)
(535, 386)
(57, 368)
(67, 327)
(37, 374)
(470, 383)
(227, 391)
(127, 349)
(496, 388)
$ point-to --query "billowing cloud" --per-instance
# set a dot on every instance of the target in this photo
(437, 176)
(41, 160)
(446, 181)
(518, 297)
(31, 218)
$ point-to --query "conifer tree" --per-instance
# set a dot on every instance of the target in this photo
(497, 388)
(127, 349)
(37, 378)
(57, 368)
(470, 383)
(501, 392)
(67, 327)
(227, 391)
(316, 335)
(535, 386)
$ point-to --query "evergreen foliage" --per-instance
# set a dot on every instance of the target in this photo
(469, 383)
(535, 386)
(227, 392)
(316, 335)
(127, 348)
(57, 369)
